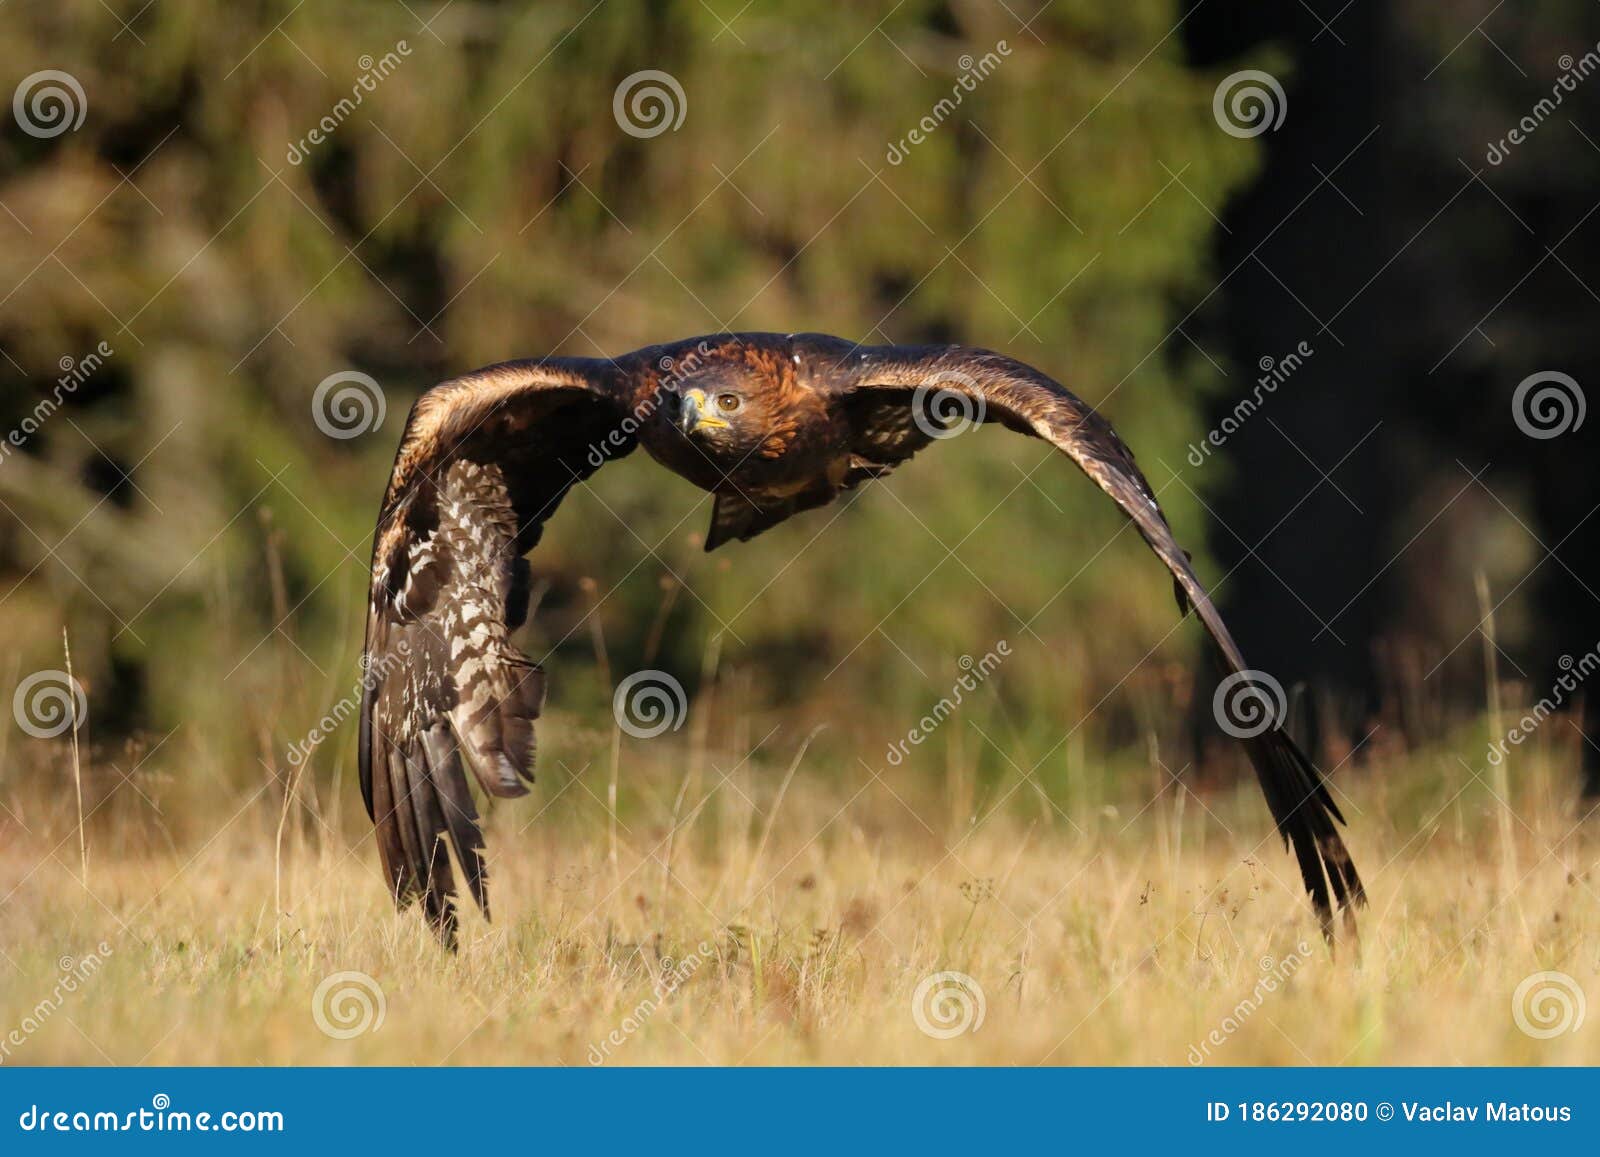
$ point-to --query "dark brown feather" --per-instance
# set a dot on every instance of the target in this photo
(485, 460)
(1023, 398)
(737, 516)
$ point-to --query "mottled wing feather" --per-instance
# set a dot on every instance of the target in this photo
(484, 461)
(884, 430)
(1022, 398)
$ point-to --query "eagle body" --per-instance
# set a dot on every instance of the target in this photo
(771, 425)
(789, 428)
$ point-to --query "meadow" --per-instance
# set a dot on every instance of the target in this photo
(777, 908)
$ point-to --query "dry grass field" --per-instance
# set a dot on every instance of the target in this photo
(738, 914)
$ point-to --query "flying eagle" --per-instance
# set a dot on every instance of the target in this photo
(771, 425)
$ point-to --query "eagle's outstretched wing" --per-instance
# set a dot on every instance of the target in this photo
(900, 398)
(484, 461)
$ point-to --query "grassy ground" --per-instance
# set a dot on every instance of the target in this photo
(792, 919)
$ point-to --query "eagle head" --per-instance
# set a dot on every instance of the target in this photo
(722, 413)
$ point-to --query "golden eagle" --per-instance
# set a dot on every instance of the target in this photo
(771, 425)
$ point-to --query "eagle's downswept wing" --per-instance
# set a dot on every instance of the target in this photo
(900, 395)
(484, 461)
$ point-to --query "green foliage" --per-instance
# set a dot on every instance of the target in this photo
(480, 203)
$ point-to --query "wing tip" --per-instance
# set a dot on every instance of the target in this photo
(1307, 818)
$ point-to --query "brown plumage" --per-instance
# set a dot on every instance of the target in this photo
(772, 425)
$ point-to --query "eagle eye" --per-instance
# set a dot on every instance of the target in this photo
(728, 402)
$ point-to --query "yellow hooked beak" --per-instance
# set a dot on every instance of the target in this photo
(697, 412)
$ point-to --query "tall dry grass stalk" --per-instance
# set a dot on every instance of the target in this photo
(1502, 782)
(290, 792)
(602, 658)
(77, 764)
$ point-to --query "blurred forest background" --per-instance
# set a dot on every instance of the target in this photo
(1083, 209)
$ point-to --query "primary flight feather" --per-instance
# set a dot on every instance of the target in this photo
(771, 425)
